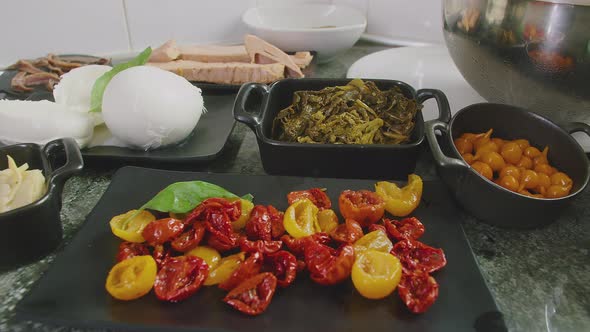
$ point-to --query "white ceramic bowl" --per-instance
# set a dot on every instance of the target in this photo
(326, 29)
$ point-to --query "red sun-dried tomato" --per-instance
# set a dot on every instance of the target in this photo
(221, 234)
(251, 266)
(259, 225)
(276, 222)
(162, 230)
(328, 266)
(160, 254)
(297, 246)
(408, 228)
(190, 239)
(364, 206)
(130, 249)
(348, 232)
(283, 265)
(415, 255)
(253, 295)
(180, 277)
(316, 195)
(377, 227)
(418, 290)
(264, 247)
(233, 209)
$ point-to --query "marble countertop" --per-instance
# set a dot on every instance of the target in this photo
(539, 278)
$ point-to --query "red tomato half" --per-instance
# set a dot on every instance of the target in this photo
(364, 206)
(316, 195)
(180, 277)
(415, 255)
(418, 290)
(253, 295)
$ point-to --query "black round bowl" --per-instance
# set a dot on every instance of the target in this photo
(488, 201)
(32, 231)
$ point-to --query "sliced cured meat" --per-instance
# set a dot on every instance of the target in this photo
(167, 52)
(25, 66)
(215, 53)
(261, 51)
(224, 73)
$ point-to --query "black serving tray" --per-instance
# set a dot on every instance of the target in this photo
(72, 291)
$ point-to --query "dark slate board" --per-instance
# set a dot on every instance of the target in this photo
(72, 291)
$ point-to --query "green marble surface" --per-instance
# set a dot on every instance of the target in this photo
(540, 278)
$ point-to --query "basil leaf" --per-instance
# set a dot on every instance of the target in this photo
(182, 197)
(101, 83)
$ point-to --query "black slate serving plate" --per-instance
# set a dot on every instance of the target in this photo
(72, 291)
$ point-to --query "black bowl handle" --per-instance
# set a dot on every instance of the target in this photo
(439, 156)
(74, 162)
(444, 110)
(240, 113)
(574, 127)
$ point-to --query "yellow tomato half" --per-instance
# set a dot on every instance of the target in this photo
(130, 230)
(132, 278)
(224, 269)
(208, 254)
(376, 274)
(400, 202)
(375, 240)
(301, 219)
(328, 220)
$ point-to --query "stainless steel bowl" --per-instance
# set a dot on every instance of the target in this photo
(533, 54)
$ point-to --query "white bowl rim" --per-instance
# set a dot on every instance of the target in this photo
(362, 25)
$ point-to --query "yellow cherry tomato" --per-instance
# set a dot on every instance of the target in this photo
(328, 220)
(130, 230)
(227, 266)
(376, 274)
(375, 240)
(132, 278)
(301, 219)
(208, 254)
(401, 201)
(247, 207)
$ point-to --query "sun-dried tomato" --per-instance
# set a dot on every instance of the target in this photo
(297, 246)
(180, 277)
(348, 232)
(316, 195)
(264, 247)
(253, 295)
(375, 227)
(221, 234)
(415, 255)
(232, 209)
(251, 266)
(328, 266)
(160, 254)
(131, 249)
(408, 228)
(162, 230)
(283, 265)
(364, 206)
(259, 225)
(190, 239)
(418, 290)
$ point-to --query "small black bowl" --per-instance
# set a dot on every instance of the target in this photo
(488, 201)
(32, 231)
(364, 161)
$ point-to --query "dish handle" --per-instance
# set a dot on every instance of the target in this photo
(444, 110)
(440, 158)
(240, 113)
(73, 164)
(574, 127)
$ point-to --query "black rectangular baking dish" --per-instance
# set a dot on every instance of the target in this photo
(363, 161)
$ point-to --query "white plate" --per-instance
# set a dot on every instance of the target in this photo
(420, 67)
(426, 67)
